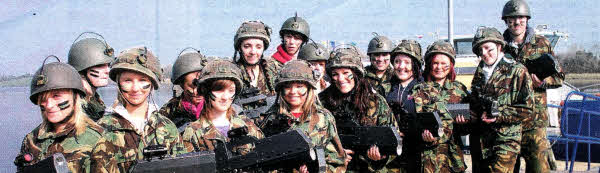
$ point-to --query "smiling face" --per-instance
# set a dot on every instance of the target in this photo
(295, 94)
(381, 61)
(516, 25)
(318, 66)
(223, 95)
(489, 52)
(403, 67)
(98, 75)
(440, 67)
(56, 105)
(190, 89)
(135, 87)
(252, 50)
(343, 79)
(292, 43)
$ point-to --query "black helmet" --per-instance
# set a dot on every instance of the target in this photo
(380, 44)
(313, 52)
(187, 62)
(516, 8)
(55, 75)
(89, 52)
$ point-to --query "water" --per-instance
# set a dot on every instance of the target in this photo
(21, 116)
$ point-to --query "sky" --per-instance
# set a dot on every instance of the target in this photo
(31, 30)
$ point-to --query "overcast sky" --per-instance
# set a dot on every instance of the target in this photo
(30, 30)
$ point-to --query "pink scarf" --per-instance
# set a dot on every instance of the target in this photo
(191, 108)
(281, 55)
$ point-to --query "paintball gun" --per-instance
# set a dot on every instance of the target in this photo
(53, 164)
(361, 138)
(544, 66)
(254, 103)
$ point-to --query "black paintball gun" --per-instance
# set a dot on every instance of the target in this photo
(459, 109)
(254, 103)
(416, 123)
(361, 138)
(53, 164)
(544, 66)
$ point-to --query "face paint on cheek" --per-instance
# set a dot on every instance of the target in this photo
(146, 86)
(94, 73)
(351, 76)
(64, 105)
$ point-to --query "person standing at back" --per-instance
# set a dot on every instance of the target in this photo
(294, 34)
(379, 73)
(524, 45)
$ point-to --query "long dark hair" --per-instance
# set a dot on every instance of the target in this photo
(360, 96)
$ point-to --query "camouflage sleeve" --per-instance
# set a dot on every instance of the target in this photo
(331, 152)
(172, 138)
(254, 131)
(102, 158)
(385, 117)
(19, 162)
(463, 129)
(518, 103)
(165, 110)
(192, 141)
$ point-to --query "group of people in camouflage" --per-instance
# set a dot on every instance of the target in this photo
(314, 88)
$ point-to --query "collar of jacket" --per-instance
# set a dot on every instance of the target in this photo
(123, 123)
(529, 36)
(44, 131)
(387, 75)
(281, 55)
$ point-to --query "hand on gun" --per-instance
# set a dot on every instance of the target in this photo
(374, 154)
(460, 119)
(348, 157)
(303, 169)
(487, 120)
(427, 136)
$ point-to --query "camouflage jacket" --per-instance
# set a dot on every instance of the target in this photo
(378, 115)
(266, 78)
(431, 97)
(175, 112)
(381, 85)
(510, 85)
(202, 135)
(85, 152)
(94, 107)
(158, 130)
(532, 48)
(319, 127)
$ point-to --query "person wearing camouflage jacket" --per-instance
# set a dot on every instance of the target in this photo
(133, 123)
(65, 128)
(219, 82)
(379, 73)
(352, 95)
(524, 45)
(91, 58)
(297, 97)
(508, 83)
(443, 153)
(407, 60)
(294, 34)
(250, 41)
(185, 108)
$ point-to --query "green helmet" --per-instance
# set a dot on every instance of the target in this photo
(485, 34)
(313, 52)
(252, 29)
(411, 48)
(380, 44)
(55, 75)
(296, 24)
(138, 59)
(442, 47)
(222, 69)
(349, 57)
(516, 8)
(89, 52)
(296, 70)
(187, 62)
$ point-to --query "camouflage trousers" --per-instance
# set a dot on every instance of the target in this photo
(445, 157)
(500, 149)
(535, 149)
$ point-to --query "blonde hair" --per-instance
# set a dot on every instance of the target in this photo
(308, 108)
(79, 118)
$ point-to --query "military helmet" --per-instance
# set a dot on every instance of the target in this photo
(252, 29)
(55, 75)
(485, 34)
(222, 69)
(89, 52)
(295, 70)
(313, 52)
(411, 48)
(138, 59)
(348, 57)
(442, 47)
(186, 63)
(380, 44)
(516, 8)
(296, 24)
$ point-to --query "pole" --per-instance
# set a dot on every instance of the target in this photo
(451, 22)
